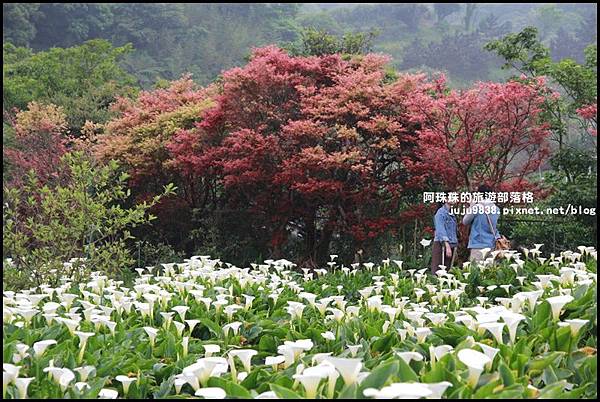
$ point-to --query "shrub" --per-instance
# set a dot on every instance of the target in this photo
(79, 221)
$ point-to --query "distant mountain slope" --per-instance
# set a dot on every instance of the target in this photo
(170, 39)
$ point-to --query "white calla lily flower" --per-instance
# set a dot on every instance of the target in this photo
(152, 333)
(126, 382)
(495, 328)
(490, 352)
(274, 361)
(475, 362)
(210, 349)
(354, 349)
(310, 382)
(348, 368)
(557, 303)
(40, 347)
(84, 372)
(245, 356)
(409, 356)
(211, 393)
(576, 325)
(512, 321)
(107, 393)
(437, 352)
(437, 389)
(22, 384)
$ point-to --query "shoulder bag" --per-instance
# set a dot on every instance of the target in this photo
(502, 243)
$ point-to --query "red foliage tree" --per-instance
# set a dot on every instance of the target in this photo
(590, 114)
(491, 133)
(318, 143)
(41, 139)
(145, 125)
(138, 137)
(327, 146)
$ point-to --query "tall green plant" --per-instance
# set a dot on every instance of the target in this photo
(72, 228)
(524, 53)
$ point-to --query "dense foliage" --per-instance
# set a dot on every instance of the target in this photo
(84, 80)
(572, 118)
(40, 140)
(476, 136)
(311, 148)
(139, 137)
(171, 39)
(72, 226)
(572, 182)
(321, 147)
(135, 134)
(518, 326)
(252, 182)
(577, 83)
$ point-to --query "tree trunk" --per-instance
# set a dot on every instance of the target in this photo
(308, 255)
(323, 246)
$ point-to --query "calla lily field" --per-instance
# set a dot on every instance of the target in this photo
(520, 324)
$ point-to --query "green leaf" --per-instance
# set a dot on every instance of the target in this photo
(552, 391)
(506, 374)
(515, 391)
(549, 376)
(577, 393)
(212, 326)
(519, 362)
(437, 374)
(349, 392)
(485, 391)
(543, 362)
(232, 389)
(384, 344)
(165, 388)
(379, 376)
(563, 338)
(252, 380)
(171, 348)
(451, 333)
(95, 386)
(267, 343)
(285, 393)
(405, 372)
(542, 317)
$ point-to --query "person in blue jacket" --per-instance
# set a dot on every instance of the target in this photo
(445, 238)
(483, 219)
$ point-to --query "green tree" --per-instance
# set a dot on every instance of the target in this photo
(19, 22)
(84, 80)
(70, 24)
(318, 42)
(549, 17)
(572, 180)
(524, 53)
(71, 228)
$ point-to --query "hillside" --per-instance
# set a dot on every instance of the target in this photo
(205, 39)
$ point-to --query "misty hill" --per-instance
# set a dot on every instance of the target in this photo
(170, 39)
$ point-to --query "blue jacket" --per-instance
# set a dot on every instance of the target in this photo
(445, 226)
(481, 234)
